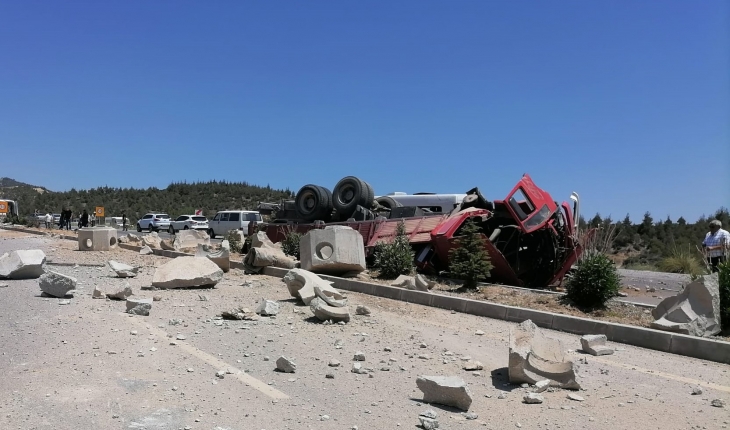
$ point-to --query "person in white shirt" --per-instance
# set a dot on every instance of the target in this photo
(49, 219)
(716, 244)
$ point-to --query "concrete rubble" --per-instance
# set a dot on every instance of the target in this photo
(146, 250)
(167, 245)
(427, 419)
(325, 312)
(264, 253)
(445, 390)
(534, 357)
(239, 313)
(190, 239)
(123, 270)
(285, 365)
(404, 281)
(121, 292)
(56, 284)
(22, 264)
(139, 306)
(595, 344)
(695, 311)
(97, 239)
(152, 240)
(184, 272)
(267, 307)
(222, 257)
(533, 398)
(305, 286)
(333, 250)
(362, 310)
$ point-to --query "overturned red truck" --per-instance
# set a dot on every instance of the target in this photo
(531, 239)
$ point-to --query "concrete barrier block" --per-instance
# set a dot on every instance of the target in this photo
(540, 318)
(639, 336)
(698, 347)
(97, 239)
(332, 250)
(484, 309)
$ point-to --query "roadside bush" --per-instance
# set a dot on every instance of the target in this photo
(290, 244)
(724, 281)
(470, 261)
(681, 261)
(594, 282)
(234, 240)
(395, 258)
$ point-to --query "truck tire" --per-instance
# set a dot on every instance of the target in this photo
(388, 202)
(313, 202)
(351, 192)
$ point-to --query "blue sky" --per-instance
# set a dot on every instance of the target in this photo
(625, 102)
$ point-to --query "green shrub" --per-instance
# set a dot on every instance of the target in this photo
(290, 244)
(395, 258)
(234, 240)
(681, 261)
(594, 282)
(469, 261)
(724, 281)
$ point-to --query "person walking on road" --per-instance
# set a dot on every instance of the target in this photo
(716, 244)
(84, 220)
(124, 222)
(49, 219)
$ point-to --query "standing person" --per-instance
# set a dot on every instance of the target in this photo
(62, 219)
(84, 220)
(49, 219)
(93, 219)
(124, 222)
(716, 244)
(69, 214)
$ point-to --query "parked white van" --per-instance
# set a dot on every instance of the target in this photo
(225, 221)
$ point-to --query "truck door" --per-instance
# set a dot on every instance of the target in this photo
(530, 206)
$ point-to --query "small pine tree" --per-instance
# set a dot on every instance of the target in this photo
(395, 258)
(470, 261)
(595, 281)
(290, 244)
(234, 241)
(724, 281)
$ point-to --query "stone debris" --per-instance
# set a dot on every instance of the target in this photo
(445, 390)
(534, 357)
(152, 240)
(479, 333)
(428, 419)
(222, 257)
(4, 285)
(359, 356)
(22, 264)
(183, 272)
(325, 312)
(718, 403)
(541, 386)
(120, 292)
(139, 306)
(64, 302)
(167, 245)
(239, 314)
(123, 270)
(264, 253)
(695, 311)
(190, 239)
(696, 391)
(56, 284)
(533, 398)
(404, 281)
(98, 293)
(473, 365)
(302, 283)
(334, 363)
(577, 398)
(333, 250)
(362, 310)
(595, 344)
(423, 284)
(146, 250)
(267, 307)
(131, 237)
(285, 365)
(357, 368)
(220, 374)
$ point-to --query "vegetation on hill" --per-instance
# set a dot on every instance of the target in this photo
(176, 199)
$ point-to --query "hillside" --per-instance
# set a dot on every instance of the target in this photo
(175, 199)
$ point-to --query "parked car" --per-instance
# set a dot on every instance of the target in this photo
(224, 221)
(188, 222)
(154, 222)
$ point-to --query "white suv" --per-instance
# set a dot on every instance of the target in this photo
(154, 222)
(225, 221)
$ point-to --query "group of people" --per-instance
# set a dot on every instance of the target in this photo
(64, 222)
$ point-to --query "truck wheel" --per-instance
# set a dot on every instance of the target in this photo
(313, 202)
(388, 202)
(351, 192)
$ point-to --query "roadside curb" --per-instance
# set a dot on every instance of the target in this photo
(674, 343)
(664, 341)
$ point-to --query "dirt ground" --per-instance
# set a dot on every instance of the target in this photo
(89, 365)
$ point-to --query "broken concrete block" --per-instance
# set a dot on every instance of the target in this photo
(325, 312)
(152, 240)
(131, 237)
(183, 272)
(427, 421)
(146, 250)
(97, 294)
(333, 250)
(120, 292)
(190, 239)
(404, 281)
(534, 357)
(123, 270)
(56, 284)
(262, 257)
(445, 390)
(541, 386)
(167, 245)
(473, 365)
(239, 314)
(301, 284)
(139, 306)
(22, 264)
(268, 307)
(97, 239)
(695, 311)
(533, 398)
(221, 258)
(285, 365)
(423, 284)
(362, 310)
(595, 344)
(261, 240)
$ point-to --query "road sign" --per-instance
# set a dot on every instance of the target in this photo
(198, 212)
(99, 211)
(3, 207)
